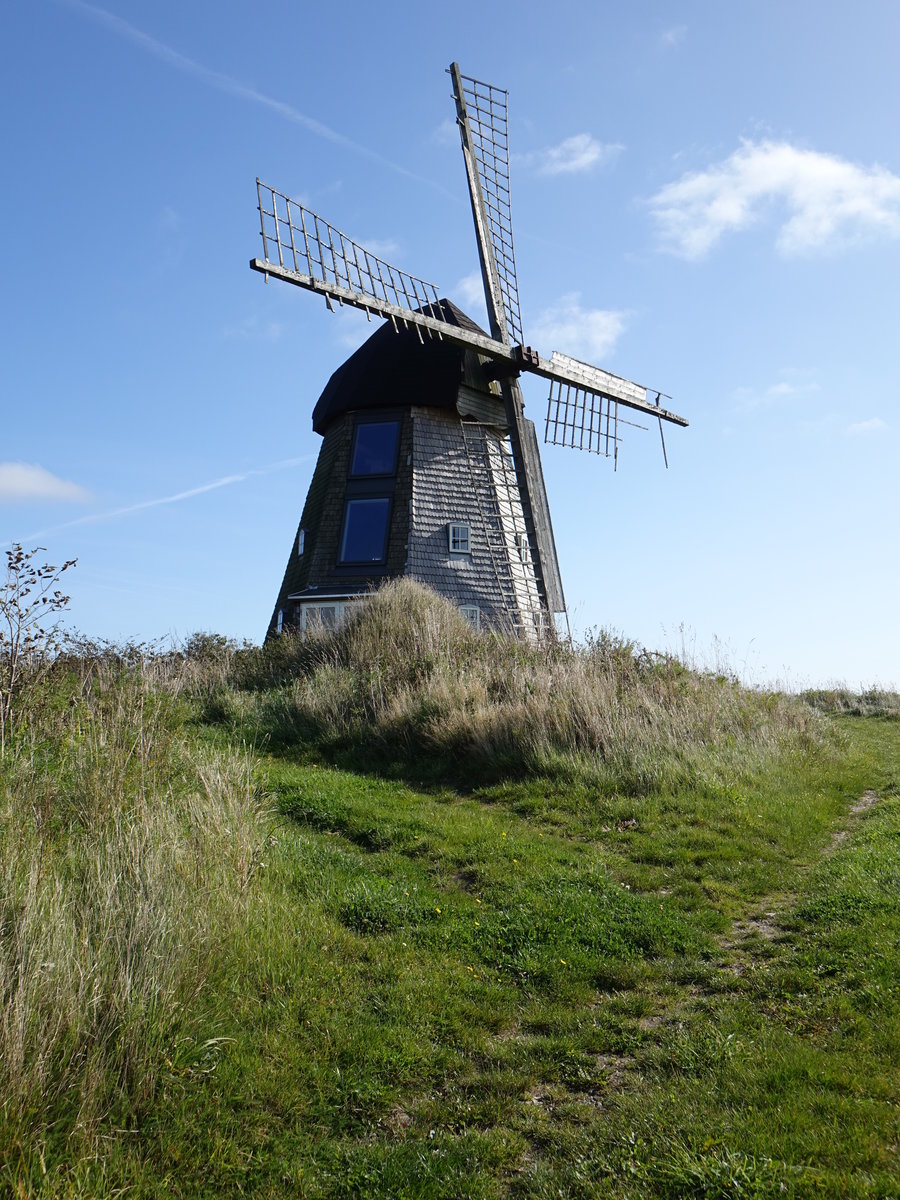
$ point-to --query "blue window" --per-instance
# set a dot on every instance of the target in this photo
(375, 448)
(364, 539)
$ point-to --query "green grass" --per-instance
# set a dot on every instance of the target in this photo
(441, 983)
(445, 997)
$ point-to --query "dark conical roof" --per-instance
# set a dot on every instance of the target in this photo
(394, 370)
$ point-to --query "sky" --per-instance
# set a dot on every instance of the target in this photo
(705, 198)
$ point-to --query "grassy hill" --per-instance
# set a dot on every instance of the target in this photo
(408, 911)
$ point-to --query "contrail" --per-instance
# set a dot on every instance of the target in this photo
(234, 87)
(126, 510)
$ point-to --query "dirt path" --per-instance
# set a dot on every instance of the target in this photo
(764, 923)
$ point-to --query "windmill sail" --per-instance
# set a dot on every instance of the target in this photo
(304, 249)
(481, 113)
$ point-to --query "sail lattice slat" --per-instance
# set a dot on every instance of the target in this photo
(582, 420)
(486, 109)
(296, 239)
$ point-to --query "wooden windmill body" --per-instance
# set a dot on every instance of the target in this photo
(428, 465)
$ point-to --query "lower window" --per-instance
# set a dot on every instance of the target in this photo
(320, 616)
(472, 613)
(364, 539)
(330, 614)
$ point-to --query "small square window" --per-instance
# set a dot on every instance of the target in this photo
(301, 542)
(523, 547)
(459, 538)
(472, 613)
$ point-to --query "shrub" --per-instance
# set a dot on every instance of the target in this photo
(406, 678)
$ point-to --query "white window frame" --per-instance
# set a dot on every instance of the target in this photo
(472, 613)
(308, 609)
(342, 609)
(459, 539)
(279, 623)
(523, 547)
(301, 542)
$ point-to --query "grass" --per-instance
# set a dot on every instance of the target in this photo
(124, 854)
(411, 689)
(392, 962)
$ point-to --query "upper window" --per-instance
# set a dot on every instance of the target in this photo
(301, 542)
(459, 538)
(364, 539)
(375, 448)
(523, 547)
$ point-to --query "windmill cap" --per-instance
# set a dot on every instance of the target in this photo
(396, 370)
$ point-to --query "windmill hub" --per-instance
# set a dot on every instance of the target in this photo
(428, 466)
(522, 358)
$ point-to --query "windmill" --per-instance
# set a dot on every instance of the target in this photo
(428, 465)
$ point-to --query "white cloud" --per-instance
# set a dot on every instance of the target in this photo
(581, 152)
(827, 200)
(582, 332)
(384, 248)
(28, 481)
(175, 498)
(793, 385)
(169, 220)
(351, 326)
(254, 328)
(470, 292)
(470, 289)
(446, 134)
(873, 425)
(673, 36)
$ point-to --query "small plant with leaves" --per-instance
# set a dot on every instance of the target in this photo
(31, 608)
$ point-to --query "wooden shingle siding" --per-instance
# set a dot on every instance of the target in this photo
(481, 406)
(444, 492)
(318, 570)
(319, 504)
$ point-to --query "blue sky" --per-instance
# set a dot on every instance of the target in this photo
(706, 198)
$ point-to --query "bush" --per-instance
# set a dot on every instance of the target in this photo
(872, 702)
(407, 680)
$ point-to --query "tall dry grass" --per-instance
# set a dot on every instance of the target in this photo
(124, 858)
(868, 702)
(408, 678)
